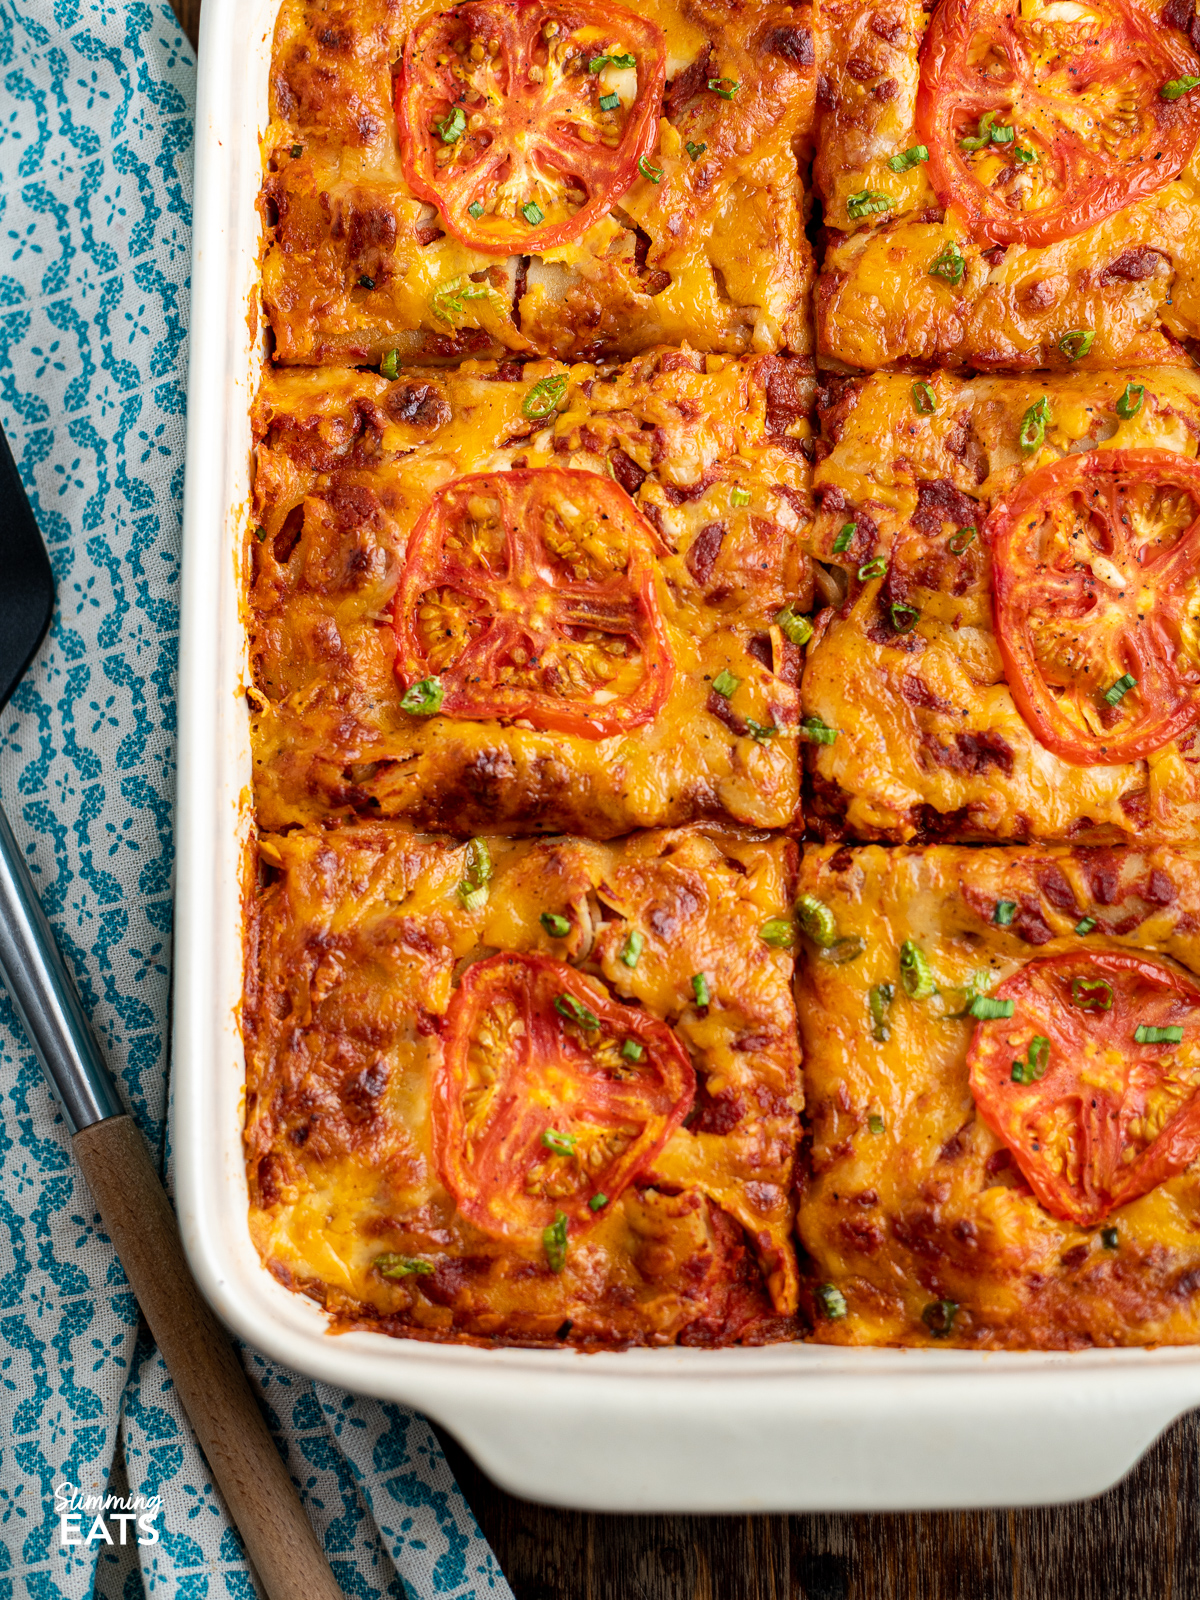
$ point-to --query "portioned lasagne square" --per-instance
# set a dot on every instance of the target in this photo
(562, 177)
(1017, 652)
(540, 599)
(527, 1091)
(1008, 187)
(1002, 1066)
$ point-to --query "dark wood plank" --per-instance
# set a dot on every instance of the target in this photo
(1139, 1542)
(188, 12)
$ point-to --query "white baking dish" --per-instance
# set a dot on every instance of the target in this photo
(788, 1428)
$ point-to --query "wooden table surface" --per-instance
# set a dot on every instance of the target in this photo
(1140, 1542)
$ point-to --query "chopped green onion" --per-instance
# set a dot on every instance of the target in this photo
(567, 1006)
(924, 400)
(872, 569)
(651, 174)
(260, 534)
(842, 542)
(1145, 1035)
(879, 1003)
(760, 732)
(479, 861)
(816, 731)
(959, 542)
(1085, 925)
(400, 1266)
(988, 133)
(598, 63)
(563, 1144)
(1120, 689)
(725, 87)
(1109, 1238)
(1176, 88)
(389, 367)
(1033, 426)
(1130, 400)
(473, 898)
(297, 150)
(475, 209)
(533, 213)
(907, 159)
(1024, 155)
(725, 683)
(1091, 994)
(739, 497)
(554, 1242)
(795, 629)
(831, 1300)
(915, 972)
(424, 699)
(1004, 912)
(904, 617)
(695, 150)
(989, 1010)
(701, 990)
(1033, 1067)
(631, 1050)
(816, 920)
(778, 932)
(1076, 343)
(609, 102)
(366, 283)
(875, 1123)
(939, 1317)
(544, 398)
(632, 948)
(597, 1202)
(866, 202)
(453, 128)
(557, 927)
(949, 265)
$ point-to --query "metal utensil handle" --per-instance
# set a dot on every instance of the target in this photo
(45, 998)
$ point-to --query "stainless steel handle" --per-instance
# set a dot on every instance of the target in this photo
(45, 998)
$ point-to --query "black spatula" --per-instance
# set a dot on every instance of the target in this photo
(114, 1158)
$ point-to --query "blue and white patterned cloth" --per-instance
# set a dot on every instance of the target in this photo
(95, 183)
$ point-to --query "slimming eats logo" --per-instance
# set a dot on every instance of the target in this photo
(75, 1509)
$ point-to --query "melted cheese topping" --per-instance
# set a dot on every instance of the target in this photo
(359, 939)
(714, 254)
(913, 1199)
(1132, 279)
(345, 466)
(930, 741)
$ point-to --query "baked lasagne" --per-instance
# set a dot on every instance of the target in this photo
(570, 179)
(1008, 187)
(1018, 654)
(724, 739)
(526, 1090)
(1002, 1092)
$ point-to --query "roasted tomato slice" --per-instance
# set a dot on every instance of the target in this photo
(531, 594)
(1087, 1082)
(1096, 590)
(550, 1095)
(1043, 119)
(523, 122)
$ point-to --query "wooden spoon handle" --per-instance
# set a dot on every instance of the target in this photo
(207, 1374)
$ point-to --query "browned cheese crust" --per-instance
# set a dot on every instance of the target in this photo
(714, 253)
(930, 744)
(1134, 278)
(913, 1199)
(713, 452)
(359, 942)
